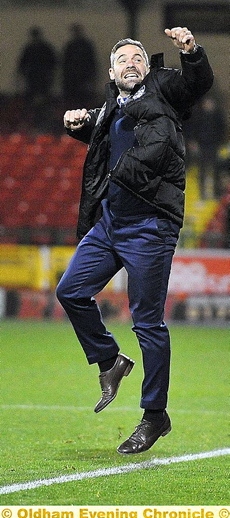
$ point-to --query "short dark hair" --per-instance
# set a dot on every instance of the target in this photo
(128, 41)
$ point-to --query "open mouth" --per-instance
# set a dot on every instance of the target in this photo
(131, 75)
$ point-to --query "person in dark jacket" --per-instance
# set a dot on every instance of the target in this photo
(37, 64)
(79, 58)
(135, 171)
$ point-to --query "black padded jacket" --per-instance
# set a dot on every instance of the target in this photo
(154, 170)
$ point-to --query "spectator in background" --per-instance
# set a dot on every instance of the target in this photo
(204, 135)
(79, 68)
(37, 64)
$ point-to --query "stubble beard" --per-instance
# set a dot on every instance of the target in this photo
(127, 87)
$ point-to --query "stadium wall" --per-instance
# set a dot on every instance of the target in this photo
(199, 287)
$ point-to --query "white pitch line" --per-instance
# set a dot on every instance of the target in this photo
(110, 409)
(126, 468)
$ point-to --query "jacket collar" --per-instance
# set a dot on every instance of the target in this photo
(157, 60)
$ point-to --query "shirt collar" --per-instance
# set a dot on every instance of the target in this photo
(122, 100)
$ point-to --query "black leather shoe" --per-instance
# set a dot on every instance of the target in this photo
(145, 435)
(110, 380)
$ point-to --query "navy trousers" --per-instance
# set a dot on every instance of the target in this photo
(145, 247)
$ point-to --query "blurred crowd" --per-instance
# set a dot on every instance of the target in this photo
(205, 133)
(39, 67)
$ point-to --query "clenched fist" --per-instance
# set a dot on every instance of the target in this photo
(75, 119)
(182, 38)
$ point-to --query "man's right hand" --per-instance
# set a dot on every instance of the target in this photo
(75, 119)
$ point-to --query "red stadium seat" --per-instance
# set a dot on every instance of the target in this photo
(40, 182)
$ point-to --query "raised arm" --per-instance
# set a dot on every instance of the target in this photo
(184, 86)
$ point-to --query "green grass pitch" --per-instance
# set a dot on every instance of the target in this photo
(49, 429)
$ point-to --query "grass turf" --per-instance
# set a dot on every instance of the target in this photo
(48, 393)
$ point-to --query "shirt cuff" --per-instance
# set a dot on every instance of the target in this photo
(191, 52)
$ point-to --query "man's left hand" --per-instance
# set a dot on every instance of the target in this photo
(182, 38)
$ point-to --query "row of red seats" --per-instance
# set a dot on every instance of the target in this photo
(40, 182)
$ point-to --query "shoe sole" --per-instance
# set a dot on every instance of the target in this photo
(129, 368)
(166, 431)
